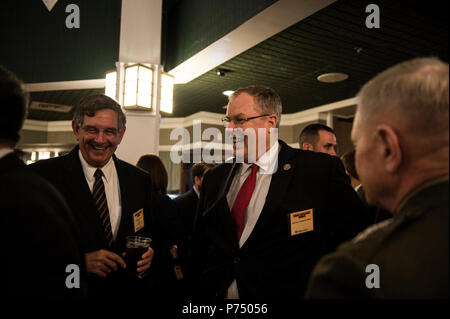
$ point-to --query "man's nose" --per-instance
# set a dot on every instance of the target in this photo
(333, 152)
(231, 125)
(100, 137)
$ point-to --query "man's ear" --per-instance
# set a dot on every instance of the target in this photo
(121, 133)
(196, 180)
(307, 146)
(75, 129)
(389, 147)
(273, 120)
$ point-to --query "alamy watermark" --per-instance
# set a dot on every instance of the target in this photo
(243, 146)
(373, 279)
(73, 279)
(373, 19)
(73, 19)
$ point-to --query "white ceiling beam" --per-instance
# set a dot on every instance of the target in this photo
(276, 18)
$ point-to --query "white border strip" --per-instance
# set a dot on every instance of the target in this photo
(44, 126)
(206, 118)
(314, 114)
(66, 85)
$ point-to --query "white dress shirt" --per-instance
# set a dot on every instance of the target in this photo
(112, 189)
(268, 164)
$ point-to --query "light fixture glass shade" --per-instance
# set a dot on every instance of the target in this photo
(166, 104)
(110, 84)
(138, 87)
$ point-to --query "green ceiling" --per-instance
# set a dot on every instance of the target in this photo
(192, 25)
(334, 39)
(37, 46)
(328, 41)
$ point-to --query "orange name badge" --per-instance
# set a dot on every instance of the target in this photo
(138, 220)
(301, 222)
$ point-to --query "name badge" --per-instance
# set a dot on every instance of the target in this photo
(138, 220)
(301, 222)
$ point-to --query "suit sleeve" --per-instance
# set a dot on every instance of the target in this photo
(198, 244)
(347, 214)
(40, 242)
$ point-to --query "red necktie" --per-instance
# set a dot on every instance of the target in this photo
(242, 200)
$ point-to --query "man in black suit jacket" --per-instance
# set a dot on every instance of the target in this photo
(401, 133)
(39, 243)
(99, 125)
(301, 208)
(377, 214)
(187, 203)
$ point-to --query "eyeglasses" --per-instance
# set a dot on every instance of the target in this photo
(240, 121)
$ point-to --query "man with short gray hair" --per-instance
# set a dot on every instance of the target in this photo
(401, 134)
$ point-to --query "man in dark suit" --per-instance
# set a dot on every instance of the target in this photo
(377, 214)
(41, 258)
(186, 206)
(110, 198)
(263, 223)
(187, 203)
(401, 133)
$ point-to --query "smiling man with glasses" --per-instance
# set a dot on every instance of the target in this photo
(109, 197)
(265, 219)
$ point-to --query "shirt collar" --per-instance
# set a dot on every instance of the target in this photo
(267, 163)
(196, 191)
(89, 170)
(5, 151)
(419, 189)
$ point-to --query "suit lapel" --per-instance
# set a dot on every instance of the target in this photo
(125, 188)
(277, 190)
(223, 191)
(78, 189)
(280, 180)
(221, 224)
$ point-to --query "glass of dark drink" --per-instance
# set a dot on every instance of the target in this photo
(136, 246)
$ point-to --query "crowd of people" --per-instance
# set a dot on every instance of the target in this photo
(310, 228)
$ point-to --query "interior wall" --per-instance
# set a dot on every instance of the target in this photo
(173, 171)
(343, 129)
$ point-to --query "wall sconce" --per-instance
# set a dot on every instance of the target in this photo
(110, 84)
(138, 87)
(136, 92)
(166, 104)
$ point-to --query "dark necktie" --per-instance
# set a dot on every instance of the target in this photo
(99, 196)
(243, 199)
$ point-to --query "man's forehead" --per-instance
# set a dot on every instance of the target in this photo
(103, 118)
(242, 104)
(327, 136)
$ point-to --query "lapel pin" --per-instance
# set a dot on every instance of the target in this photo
(287, 167)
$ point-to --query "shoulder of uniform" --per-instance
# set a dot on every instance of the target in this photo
(372, 231)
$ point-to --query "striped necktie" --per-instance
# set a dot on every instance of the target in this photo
(98, 193)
